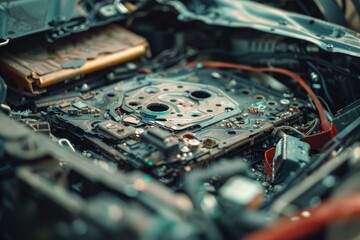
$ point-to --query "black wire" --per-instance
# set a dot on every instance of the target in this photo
(326, 106)
(255, 57)
(167, 62)
(322, 80)
(336, 68)
(319, 74)
(303, 7)
(344, 6)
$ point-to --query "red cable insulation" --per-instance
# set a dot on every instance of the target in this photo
(325, 124)
(326, 213)
(346, 207)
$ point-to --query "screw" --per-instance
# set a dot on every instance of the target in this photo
(330, 47)
(216, 75)
(85, 87)
(314, 77)
(110, 126)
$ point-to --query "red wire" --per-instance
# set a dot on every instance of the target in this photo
(347, 207)
(325, 213)
(325, 124)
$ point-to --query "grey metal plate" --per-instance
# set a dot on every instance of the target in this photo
(247, 14)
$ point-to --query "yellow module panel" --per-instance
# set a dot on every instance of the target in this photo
(38, 68)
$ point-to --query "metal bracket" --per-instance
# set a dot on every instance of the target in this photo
(5, 42)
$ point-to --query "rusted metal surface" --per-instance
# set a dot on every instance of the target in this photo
(81, 54)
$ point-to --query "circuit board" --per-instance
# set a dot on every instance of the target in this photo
(170, 123)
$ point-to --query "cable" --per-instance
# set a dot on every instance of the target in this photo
(307, 222)
(168, 58)
(255, 57)
(277, 129)
(318, 73)
(322, 80)
(303, 7)
(316, 122)
(324, 63)
(325, 124)
(327, 107)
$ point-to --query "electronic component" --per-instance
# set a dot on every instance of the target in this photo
(172, 121)
(42, 127)
(164, 141)
(347, 115)
(243, 191)
(103, 212)
(36, 69)
(196, 124)
(290, 154)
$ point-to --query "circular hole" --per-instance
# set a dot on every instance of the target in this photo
(157, 107)
(209, 110)
(272, 118)
(140, 97)
(272, 103)
(180, 86)
(200, 94)
(195, 115)
(245, 91)
(172, 100)
(152, 90)
(259, 97)
(110, 95)
(134, 104)
(311, 22)
(231, 132)
(229, 109)
(179, 115)
(165, 89)
(209, 143)
(218, 105)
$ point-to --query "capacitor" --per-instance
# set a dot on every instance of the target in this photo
(185, 149)
(194, 144)
(139, 131)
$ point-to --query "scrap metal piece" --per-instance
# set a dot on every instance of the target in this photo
(116, 130)
(44, 65)
(180, 105)
(248, 14)
(291, 150)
